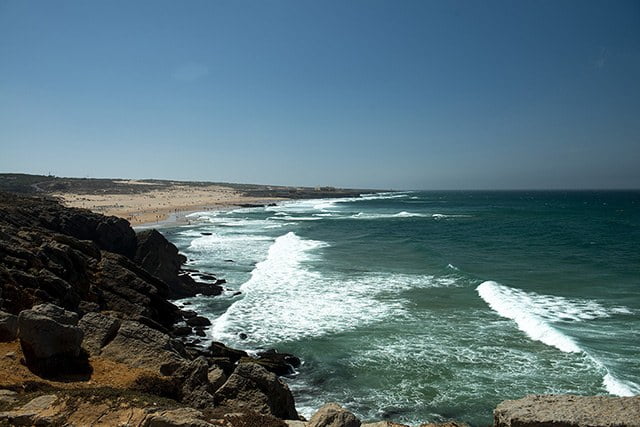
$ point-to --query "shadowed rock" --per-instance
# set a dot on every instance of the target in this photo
(8, 326)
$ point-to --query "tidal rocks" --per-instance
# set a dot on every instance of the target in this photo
(333, 415)
(8, 326)
(50, 340)
(198, 321)
(252, 388)
(218, 349)
(568, 411)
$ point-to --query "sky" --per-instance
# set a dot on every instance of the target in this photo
(349, 93)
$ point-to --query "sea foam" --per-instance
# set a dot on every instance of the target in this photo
(287, 298)
(535, 314)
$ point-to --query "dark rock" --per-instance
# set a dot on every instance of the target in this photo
(8, 326)
(200, 332)
(278, 363)
(204, 233)
(218, 349)
(99, 330)
(333, 415)
(236, 293)
(188, 314)
(207, 277)
(198, 321)
(568, 411)
(229, 260)
(242, 336)
(251, 387)
(181, 331)
(51, 341)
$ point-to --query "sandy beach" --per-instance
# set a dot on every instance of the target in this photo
(157, 205)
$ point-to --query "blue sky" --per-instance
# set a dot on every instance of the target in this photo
(370, 94)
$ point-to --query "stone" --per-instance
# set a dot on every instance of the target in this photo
(50, 341)
(218, 349)
(140, 346)
(8, 396)
(198, 321)
(98, 330)
(195, 389)
(389, 424)
(8, 327)
(181, 417)
(38, 411)
(216, 377)
(251, 387)
(333, 415)
(568, 411)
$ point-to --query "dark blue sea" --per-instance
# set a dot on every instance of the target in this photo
(426, 306)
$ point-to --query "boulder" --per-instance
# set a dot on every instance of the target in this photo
(216, 377)
(193, 380)
(568, 411)
(99, 330)
(140, 346)
(278, 363)
(251, 387)
(198, 321)
(392, 424)
(50, 341)
(218, 349)
(8, 326)
(333, 415)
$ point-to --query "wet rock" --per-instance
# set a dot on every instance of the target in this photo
(181, 331)
(278, 363)
(99, 330)
(8, 326)
(333, 415)
(569, 411)
(198, 321)
(51, 341)
(251, 387)
(391, 424)
(218, 349)
(242, 336)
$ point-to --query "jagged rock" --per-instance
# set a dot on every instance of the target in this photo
(181, 331)
(216, 377)
(218, 349)
(181, 417)
(391, 424)
(159, 257)
(278, 363)
(251, 387)
(50, 341)
(8, 396)
(445, 424)
(140, 346)
(195, 389)
(198, 321)
(568, 411)
(35, 412)
(8, 326)
(333, 415)
(98, 330)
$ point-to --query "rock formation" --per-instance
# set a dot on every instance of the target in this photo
(568, 411)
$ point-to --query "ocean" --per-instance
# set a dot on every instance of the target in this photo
(428, 306)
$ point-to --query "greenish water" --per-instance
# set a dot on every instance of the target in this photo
(425, 306)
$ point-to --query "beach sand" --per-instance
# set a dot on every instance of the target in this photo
(157, 205)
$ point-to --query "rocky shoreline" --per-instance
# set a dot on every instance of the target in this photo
(89, 336)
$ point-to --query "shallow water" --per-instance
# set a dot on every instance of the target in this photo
(424, 306)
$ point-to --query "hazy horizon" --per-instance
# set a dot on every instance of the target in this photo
(361, 94)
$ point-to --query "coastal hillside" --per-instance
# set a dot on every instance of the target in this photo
(89, 336)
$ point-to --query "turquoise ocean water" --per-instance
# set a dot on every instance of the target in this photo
(425, 306)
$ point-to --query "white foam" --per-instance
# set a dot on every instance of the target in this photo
(535, 314)
(287, 299)
(523, 308)
(619, 387)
